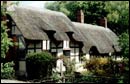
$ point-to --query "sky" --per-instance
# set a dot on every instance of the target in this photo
(38, 4)
(33, 4)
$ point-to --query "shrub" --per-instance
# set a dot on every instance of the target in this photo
(117, 71)
(39, 65)
(7, 71)
(70, 66)
(100, 66)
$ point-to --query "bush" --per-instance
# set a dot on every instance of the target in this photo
(7, 71)
(39, 65)
(70, 66)
(111, 70)
(100, 66)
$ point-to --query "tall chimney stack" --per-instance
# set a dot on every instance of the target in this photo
(80, 16)
(102, 22)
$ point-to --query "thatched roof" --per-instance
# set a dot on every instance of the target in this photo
(32, 23)
(93, 35)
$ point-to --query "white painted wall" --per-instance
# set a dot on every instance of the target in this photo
(87, 56)
(45, 44)
(65, 44)
(60, 52)
(76, 58)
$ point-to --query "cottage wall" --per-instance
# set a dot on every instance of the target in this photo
(45, 44)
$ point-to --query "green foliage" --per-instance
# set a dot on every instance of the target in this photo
(92, 9)
(39, 65)
(124, 43)
(5, 41)
(118, 15)
(99, 66)
(55, 76)
(107, 67)
(7, 71)
(117, 12)
(70, 65)
(39, 57)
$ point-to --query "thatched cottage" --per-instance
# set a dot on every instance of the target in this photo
(46, 30)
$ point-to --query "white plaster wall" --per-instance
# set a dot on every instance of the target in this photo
(76, 58)
(87, 56)
(46, 45)
(60, 52)
(65, 44)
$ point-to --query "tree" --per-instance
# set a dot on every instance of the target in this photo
(124, 43)
(117, 12)
(92, 9)
(118, 17)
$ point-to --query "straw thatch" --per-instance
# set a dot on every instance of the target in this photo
(93, 35)
(34, 23)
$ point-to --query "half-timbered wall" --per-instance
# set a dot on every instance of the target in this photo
(75, 51)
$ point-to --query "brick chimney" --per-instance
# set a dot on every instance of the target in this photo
(80, 16)
(102, 21)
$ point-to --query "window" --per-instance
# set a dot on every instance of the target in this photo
(74, 48)
(21, 42)
(31, 45)
(60, 45)
(30, 50)
(38, 45)
(34, 47)
(66, 52)
(21, 52)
